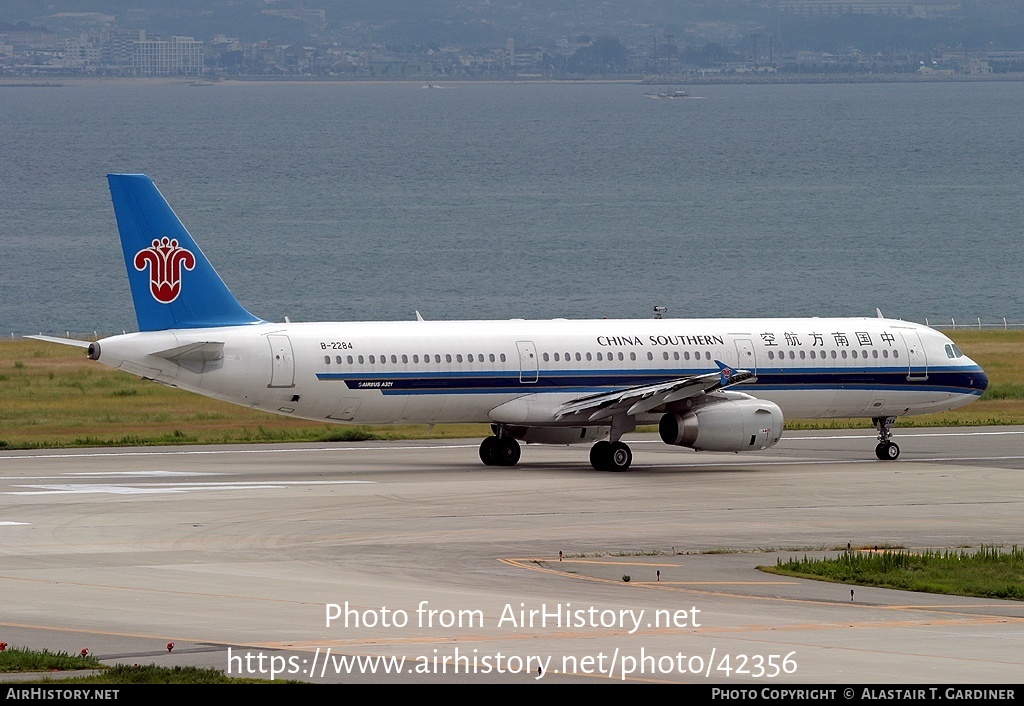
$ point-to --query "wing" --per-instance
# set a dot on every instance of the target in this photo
(637, 400)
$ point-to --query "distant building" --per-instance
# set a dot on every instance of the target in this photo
(904, 8)
(177, 56)
(119, 46)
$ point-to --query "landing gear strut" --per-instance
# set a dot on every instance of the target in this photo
(886, 449)
(500, 449)
(614, 455)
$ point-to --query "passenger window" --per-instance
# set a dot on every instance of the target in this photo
(327, 359)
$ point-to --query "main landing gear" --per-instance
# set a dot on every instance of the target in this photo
(886, 449)
(500, 449)
(610, 456)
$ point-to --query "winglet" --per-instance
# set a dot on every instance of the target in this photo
(173, 284)
(731, 376)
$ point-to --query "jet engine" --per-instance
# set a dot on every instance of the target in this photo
(747, 424)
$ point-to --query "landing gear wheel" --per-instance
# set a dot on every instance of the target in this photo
(887, 451)
(489, 451)
(508, 451)
(599, 454)
(620, 457)
(610, 456)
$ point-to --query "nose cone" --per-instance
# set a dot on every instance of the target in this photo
(979, 380)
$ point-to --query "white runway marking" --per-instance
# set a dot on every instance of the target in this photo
(428, 447)
(122, 474)
(312, 449)
(156, 488)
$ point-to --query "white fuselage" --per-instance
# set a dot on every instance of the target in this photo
(520, 372)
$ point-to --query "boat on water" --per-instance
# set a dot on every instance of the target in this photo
(670, 95)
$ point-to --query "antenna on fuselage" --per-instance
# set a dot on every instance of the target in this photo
(659, 311)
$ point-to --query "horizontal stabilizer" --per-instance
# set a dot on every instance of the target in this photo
(62, 341)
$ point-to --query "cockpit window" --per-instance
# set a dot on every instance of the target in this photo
(957, 351)
(949, 351)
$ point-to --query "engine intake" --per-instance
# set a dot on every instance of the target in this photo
(726, 425)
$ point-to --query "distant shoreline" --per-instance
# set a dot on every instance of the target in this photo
(687, 80)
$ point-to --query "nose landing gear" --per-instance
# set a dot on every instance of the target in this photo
(886, 450)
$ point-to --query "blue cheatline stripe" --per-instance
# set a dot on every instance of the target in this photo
(953, 380)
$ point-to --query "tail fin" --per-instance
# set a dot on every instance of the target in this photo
(173, 284)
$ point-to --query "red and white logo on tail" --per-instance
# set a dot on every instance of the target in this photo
(166, 259)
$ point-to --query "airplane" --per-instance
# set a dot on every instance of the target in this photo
(708, 384)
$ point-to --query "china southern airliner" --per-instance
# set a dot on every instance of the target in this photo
(709, 384)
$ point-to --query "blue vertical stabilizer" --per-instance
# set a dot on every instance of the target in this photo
(173, 284)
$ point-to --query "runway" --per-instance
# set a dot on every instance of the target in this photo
(335, 562)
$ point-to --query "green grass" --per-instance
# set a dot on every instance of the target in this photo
(989, 572)
(23, 660)
(20, 659)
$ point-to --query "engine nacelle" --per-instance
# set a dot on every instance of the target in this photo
(725, 425)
